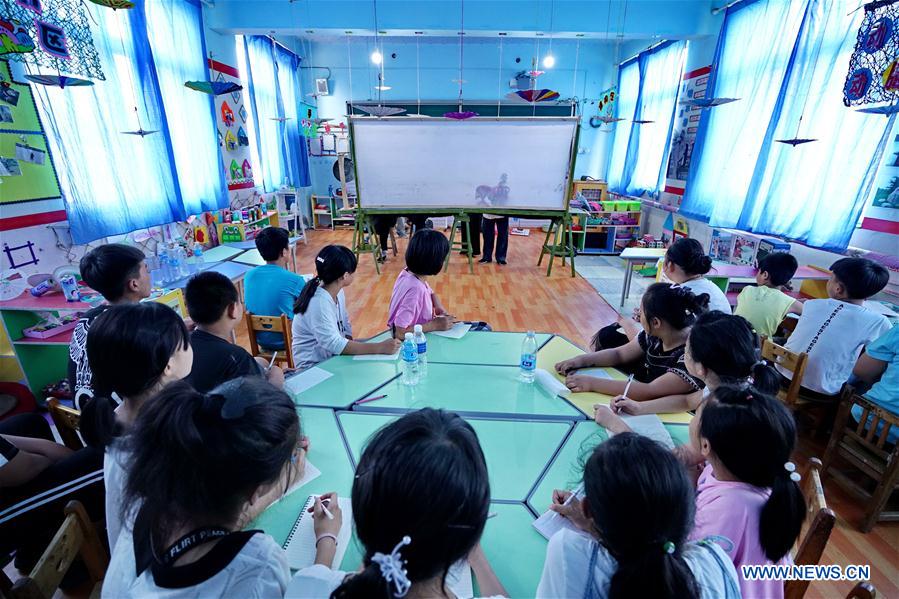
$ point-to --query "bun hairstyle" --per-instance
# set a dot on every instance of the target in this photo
(128, 349)
(196, 458)
(676, 305)
(423, 477)
(642, 515)
(728, 346)
(331, 263)
(689, 255)
(738, 417)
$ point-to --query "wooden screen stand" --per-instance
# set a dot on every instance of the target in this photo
(365, 239)
(461, 245)
(559, 226)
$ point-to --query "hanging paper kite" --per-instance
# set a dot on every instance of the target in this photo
(114, 4)
(214, 88)
(227, 114)
(795, 141)
(535, 95)
(459, 116)
(60, 80)
(381, 110)
(14, 38)
(873, 75)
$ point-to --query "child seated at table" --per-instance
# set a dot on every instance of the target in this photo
(214, 305)
(119, 273)
(321, 325)
(833, 331)
(637, 513)
(413, 302)
(878, 367)
(766, 305)
(656, 355)
(421, 497)
(272, 290)
(203, 466)
(721, 349)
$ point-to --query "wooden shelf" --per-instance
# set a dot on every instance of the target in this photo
(53, 301)
(63, 338)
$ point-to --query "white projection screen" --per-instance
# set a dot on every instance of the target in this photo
(479, 163)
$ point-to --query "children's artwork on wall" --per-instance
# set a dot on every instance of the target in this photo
(5, 114)
(308, 122)
(246, 170)
(234, 141)
(243, 113)
(683, 135)
(235, 172)
(29, 154)
(9, 167)
(61, 33)
(227, 114)
(607, 102)
(242, 138)
(230, 141)
(872, 76)
(14, 38)
(114, 4)
(20, 255)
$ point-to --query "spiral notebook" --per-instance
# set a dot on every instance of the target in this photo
(300, 543)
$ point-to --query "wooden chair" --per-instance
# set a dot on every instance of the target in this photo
(863, 590)
(270, 324)
(68, 423)
(795, 363)
(819, 523)
(76, 536)
(867, 449)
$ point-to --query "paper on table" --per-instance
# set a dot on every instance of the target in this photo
(550, 522)
(551, 384)
(300, 543)
(309, 474)
(600, 373)
(378, 357)
(303, 381)
(650, 426)
(457, 332)
(458, 579)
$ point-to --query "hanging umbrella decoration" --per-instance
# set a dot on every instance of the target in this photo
(704, 103)
(535, 95)
(381, 110)
(214, 88)
(140, 131)
(884, 110)
(62, 81)
(114, 4)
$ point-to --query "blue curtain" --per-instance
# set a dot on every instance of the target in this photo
(785, 60)
(114, 183)
(273, 85)
(626, 106)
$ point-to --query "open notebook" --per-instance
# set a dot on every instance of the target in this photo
(550, 522)
(300, 543)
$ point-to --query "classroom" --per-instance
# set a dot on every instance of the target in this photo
(449, 298)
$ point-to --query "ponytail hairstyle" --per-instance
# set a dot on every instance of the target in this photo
(197, 458)
(642, 515)
(331, 263)
(676, 305)
(128, 349)
(728, 346)
(687, 253)
(736, 418)
(422, 477)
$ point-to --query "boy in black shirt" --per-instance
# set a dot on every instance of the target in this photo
(214, 306)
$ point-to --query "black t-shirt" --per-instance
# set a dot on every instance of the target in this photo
(79, 371)
(217, 361)
(7, 452)
(657, 361)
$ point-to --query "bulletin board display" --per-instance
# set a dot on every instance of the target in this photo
(26, 169)
(478, 163)
(231, 118)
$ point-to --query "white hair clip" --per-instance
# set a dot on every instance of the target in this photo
(392, 569)
(319, 259)
(791, 468)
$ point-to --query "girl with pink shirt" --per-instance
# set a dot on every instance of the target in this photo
(748, 491)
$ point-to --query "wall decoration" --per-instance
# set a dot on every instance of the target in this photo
(230, 107)
(243, 113)
(14, 38)
(62, 34)
(242, 138)
(683, 134)
(215, 88)
(872, 76)
(534, 95)
(18, 258)
(5, 114)
(9, 167)
(29, 154)
(230, 141)
(607, 102)
(227, 114)
(59, 80)
(114, 4)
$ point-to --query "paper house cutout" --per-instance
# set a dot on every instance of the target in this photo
(227, 114)
(235, 171)
(230, 141)
(242, 138)
(247, 169)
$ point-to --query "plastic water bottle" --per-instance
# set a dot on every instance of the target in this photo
(410, 361)
(191, 263)
(182, 260)
(198, 257)
(421, 346)
(528, 362)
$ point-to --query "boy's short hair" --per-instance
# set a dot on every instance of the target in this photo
(780, 266)
(861, 277)
(208, 294)
(426, 252)
(271, 242)
(108, 268)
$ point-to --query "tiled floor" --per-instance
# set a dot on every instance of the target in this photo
(606, 275)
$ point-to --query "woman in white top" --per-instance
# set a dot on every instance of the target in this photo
(633, 524)
(134, 350)
(203, 466)
(321, 326)
(420, 501)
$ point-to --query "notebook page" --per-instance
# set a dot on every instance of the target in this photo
(300, 545)
(549, 523)
(650, 426)
(458, 579)
(457, 332)
(305, 380)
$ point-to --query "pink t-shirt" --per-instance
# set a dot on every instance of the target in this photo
(732, 510)
(411, 302)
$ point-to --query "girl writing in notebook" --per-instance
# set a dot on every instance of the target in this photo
(321, 325)
(658, 351)
(420, 503)
(636, 519)
(202, 467)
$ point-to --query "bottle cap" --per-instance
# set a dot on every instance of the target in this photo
(408, 336)
(531, 333)
(417, 328)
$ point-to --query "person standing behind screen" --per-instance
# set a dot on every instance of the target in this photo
(501, 224)
(272, 290)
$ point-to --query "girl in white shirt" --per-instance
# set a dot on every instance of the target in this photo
(633, 526)
(420, 502)
(321, 325)
(686, 264)
(203, 466)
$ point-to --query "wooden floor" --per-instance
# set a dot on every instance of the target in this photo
(518, 297)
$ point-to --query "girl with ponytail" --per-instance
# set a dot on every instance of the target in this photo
(748, 491)
(686, 264)
(420, 502)
(321, 325)
(134, 351)
(203, 465)
(637, 519)
(656, 355)
(722, 349)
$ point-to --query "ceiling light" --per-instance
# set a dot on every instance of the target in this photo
(549, 61)
(376, 57)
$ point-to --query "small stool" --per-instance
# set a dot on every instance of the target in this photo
(559, 227)
(365, 240)
(461, 245)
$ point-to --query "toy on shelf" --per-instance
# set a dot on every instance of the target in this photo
(741, 247)
(650, 242)
(52, 325)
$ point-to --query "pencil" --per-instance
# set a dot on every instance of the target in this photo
(630, 380)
